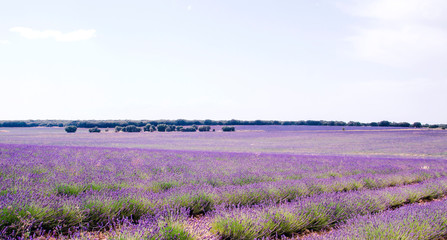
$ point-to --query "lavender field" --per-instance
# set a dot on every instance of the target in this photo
(260, 182)
(327, 140)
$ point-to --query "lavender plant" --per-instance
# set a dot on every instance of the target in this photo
(415, 221)
(318, 212)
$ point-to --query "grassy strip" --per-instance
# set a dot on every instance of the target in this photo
(318, 212)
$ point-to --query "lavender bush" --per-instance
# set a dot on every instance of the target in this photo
(416, 221)
(318, 212)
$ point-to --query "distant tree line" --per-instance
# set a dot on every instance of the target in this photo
(172, 125)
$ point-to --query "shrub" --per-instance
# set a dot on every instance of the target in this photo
(403, 124)
(417, 124)
(71, 129)
(228, 129)
(188, 129)
(352, 123)
(174, 230)
(118, 129)
(147, 128)
(170, 128)
(178, 128)
(204, 128)
(131, 128)
(94, 130)
(162, 127)
(384, 123)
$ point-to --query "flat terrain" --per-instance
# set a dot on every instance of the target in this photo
(372, 141)
(296, 182)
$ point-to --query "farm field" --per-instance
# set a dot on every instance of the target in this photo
(260, 182)
(371, 141)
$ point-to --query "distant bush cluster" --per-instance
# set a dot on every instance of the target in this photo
(228, 129)
(149, 128)
(162, 128)
(204, 128)
(188, 129)
(129, 128)
(71, 129)
(94, 130)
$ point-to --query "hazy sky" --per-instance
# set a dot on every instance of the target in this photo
(366, 60)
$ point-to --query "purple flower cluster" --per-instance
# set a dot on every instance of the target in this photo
(415, 221)
(318, 212)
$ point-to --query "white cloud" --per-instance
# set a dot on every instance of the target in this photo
(77, 35)
(400, 46)
(189, 8)
(401, 33)
(398, 10)
(4, 42)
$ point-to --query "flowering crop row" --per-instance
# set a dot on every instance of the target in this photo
(415, 221)
(318, 212)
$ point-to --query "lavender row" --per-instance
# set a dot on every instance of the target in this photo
(48, 174)
(170, 225)
(318, 212)
(415, 221)
(179, 167)
(73, 170)
(96, 208)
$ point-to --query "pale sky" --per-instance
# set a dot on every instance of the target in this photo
(365, 60)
